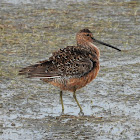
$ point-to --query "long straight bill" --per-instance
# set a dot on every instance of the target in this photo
(100, 42)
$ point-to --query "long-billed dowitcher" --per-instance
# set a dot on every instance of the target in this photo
(70, 68)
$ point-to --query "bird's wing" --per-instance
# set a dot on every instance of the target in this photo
(71, 61)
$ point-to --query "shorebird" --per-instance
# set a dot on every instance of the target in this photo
(70, 68)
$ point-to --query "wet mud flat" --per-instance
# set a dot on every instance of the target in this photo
(30, 109)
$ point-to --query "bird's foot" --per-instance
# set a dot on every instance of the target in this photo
(81, 113)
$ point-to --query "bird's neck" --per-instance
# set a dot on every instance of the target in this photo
(89, 46)
(94, 48)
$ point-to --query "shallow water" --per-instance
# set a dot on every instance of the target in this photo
(30, 109)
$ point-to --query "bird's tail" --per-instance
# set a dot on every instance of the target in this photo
(38, 70)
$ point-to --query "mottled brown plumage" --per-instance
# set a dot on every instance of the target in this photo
(70, 68)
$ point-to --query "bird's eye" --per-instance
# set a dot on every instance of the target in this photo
(87, 35)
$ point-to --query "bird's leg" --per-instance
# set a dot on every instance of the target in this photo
(61, 101)
(74, 96)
